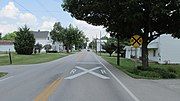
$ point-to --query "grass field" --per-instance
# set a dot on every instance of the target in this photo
(30, 59)
(157, 71)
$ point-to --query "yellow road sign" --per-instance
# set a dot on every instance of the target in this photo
(136, 41)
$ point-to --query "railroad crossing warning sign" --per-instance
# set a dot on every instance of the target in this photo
(136, 41)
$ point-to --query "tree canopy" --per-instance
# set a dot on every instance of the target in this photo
(68, 36)
(9, 36)
(24, 41)
(124, 18)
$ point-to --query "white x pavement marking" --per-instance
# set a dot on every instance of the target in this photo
(87, 71)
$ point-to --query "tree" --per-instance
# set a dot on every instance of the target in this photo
(68, 36)
(124, 18)
(109, 47)
(38, 47)
(24, 41)
(93, 44)
(10, 36)
(47, 47)
(0, 36)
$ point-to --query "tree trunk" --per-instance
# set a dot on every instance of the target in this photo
(67, 48)
(145, 54)
(118, 50)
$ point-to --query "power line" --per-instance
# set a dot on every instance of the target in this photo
(25, 8)
(46, 10)
(22, 6)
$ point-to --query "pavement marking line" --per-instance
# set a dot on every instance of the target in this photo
(87, 71)
(6, 78)
(44, 95)
(129, 92)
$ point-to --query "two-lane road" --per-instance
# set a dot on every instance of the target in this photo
(81, 77)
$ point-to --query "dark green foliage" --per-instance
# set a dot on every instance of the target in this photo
(154, 73)
(109, 47)
(69, 36)
(38, 47)
(47, 47)
(124, 18)
(0, 36)
(24, 41)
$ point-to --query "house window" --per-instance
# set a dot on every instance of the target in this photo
(154, 53)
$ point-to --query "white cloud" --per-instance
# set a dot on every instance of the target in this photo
(28, 18)
(90, 30)
(11, 19)
(7, 28)
(48, 23)
(10, 11)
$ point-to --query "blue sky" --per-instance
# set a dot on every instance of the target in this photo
(40, 15)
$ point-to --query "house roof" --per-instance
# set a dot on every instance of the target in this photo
(40, 34)
(6, 42)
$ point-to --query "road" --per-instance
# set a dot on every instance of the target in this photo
(79, 77)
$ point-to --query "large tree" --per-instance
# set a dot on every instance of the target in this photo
(24, 41)
(123, 18)
(68, 36)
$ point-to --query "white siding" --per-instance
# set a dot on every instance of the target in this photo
(4, 48)
(169, 49)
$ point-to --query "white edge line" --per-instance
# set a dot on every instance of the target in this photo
(129, 92)
(6, 78)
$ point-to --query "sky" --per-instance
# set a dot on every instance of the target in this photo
(40, 15)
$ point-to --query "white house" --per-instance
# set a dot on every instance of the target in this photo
(44, 38)
(99, 44)
(5, 46)
(164, 49)
(41, 37)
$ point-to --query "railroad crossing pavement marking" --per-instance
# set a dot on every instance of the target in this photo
(85, 71)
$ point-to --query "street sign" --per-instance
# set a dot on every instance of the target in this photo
(136, 41)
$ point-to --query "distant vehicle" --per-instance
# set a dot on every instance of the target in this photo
(88, 50)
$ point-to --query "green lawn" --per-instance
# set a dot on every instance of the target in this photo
(157, 71)
(30, 59)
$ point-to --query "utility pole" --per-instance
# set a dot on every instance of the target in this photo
(96, 43)
(100, 43)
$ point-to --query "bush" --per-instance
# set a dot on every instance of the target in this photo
(24, 41)
(150, 74)
(164, 73)
(155, 73)
(171, 69)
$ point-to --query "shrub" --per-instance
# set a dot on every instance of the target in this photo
(24, 41)
(171, 69)
(150, 74)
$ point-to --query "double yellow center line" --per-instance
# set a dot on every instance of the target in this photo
(44, 95)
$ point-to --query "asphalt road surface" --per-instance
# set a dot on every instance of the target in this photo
(79, 77)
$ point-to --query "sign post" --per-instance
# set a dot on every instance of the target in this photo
(136, 41)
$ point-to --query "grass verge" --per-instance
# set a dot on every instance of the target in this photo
(30, 59)
(156, 71)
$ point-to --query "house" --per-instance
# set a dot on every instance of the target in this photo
(41, 37)
(44, 38)
(164, 50)
(99, 44)
(5, 46)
